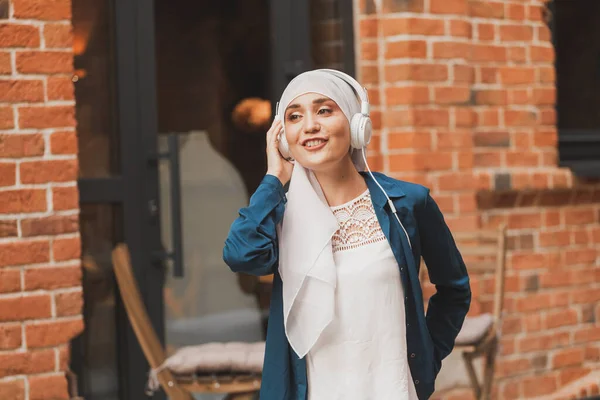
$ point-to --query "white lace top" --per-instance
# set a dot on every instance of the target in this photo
(362, 354)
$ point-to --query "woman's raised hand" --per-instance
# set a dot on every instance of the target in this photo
(276, 164)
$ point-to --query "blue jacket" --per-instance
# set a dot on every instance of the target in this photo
(251, 248)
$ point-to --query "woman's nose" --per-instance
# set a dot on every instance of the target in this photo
(311, 124)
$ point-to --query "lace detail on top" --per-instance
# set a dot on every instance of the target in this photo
(358, 224)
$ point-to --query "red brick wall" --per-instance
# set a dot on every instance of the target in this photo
(40, 292)
(463, 100)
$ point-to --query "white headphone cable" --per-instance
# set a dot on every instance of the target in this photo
(389, 201)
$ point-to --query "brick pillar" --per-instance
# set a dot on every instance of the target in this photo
(40, 273)
(463, 95)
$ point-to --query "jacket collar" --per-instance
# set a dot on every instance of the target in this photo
(391, 187)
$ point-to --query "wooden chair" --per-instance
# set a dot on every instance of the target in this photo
(483, 252)
(238, 387)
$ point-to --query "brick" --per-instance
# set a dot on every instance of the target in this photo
(571, 374)
(568, 357)
(455, 139)
(50, 278)
(44, 62)
(463, 73)
(587, 296)
(406, 49)
(16, 145)
(522, 159)
(452, 95)
(517, 54)
(457, 181)
(464, 117)
(487, 159)
(580, 216)
(17, 91)
(517, 75)
(416, 72)
(368, 28)
(407, 95)
(10, 281)
(60, 88)
(8, 175)
(369, 50)
(486, 9)
(447, 50)
(448, 7)
(46, 10)
(489, 53)
(542, 54)
(533, 323)
(546, 74)
(519, 118)
(545, 137)
(63, 142)
(533, 302)
(410, 140)
(65, 198)
(495, 97)
(488, 75)
(13, 389)
(66, 248)
(46, 117)
(507, 368)
(7, 118)
(10, 338)
(412, 26)
(516, 33)
(539, 385)
(47, 334)
(48, 171)
(431, 117)
(546, 341)
(25, 307)
(22, 201)
(459, 28)
(69, 304)
(581, 256)
(8, 229)
(554, 239)
(64, 357)
(396, 6)
(58, 35)
(5, 65)
(592, 353)
(26, 363)
(546, 96)
(53, 225)
(486, 31)
(557, 319)
(491, 139)
(421, 161)
(515, 11)
(15, 35)
(21, 253)
(52, 387)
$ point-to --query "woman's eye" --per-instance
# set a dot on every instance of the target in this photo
(293, 117)
(324, 111)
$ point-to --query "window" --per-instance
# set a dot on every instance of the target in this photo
(576, 36)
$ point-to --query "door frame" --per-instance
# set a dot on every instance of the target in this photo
(136, 187)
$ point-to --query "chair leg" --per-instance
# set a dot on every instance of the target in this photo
(472, 375)
(490, 363)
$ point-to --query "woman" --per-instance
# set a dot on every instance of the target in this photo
(346, 318)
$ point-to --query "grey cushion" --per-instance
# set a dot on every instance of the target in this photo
(474, 329)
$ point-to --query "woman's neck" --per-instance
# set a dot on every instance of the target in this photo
(341, 184)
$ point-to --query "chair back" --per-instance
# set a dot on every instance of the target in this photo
(140, 322)
(484, 252)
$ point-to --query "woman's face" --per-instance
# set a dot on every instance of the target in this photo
(317, 131)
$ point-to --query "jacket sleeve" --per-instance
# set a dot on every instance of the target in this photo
(449, 305)
(251, 245)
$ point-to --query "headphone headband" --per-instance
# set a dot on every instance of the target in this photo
(361, 91)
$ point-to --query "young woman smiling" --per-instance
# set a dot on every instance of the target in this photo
(346, 318)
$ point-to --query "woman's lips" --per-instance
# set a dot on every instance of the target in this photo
(315, 147)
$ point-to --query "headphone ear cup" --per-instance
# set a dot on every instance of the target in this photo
(360, 131)
(284, 148)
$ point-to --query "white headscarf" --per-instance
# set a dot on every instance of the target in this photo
(306, 262)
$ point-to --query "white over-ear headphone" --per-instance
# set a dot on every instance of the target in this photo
(360, 124)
